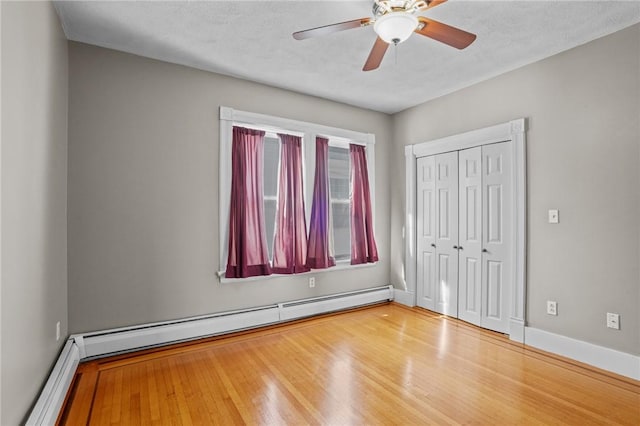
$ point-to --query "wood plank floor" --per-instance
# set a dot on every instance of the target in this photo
(382, 365)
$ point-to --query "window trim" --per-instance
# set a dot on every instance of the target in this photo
(309, 131)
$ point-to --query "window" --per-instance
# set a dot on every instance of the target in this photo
(340, 201)
(337, 166)
(270, 173)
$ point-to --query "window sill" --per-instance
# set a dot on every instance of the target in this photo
(342, 265)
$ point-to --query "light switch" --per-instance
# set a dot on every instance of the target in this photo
(554, 216)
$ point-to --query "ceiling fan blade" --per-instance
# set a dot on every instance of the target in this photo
(333, 28)
(444, 33)
(376, 55)
(433, 3)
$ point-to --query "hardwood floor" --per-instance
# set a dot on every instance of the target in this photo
(382, 365)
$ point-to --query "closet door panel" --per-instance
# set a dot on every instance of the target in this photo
(446, 241)
(497, 228)
(470, 235)
(444, 276)
(426, 233)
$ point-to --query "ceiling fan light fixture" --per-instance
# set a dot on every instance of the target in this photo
(395, 27)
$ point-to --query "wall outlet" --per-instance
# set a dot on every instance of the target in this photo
(613, 321)
(552, 307)
(312, 282)
(554, 216)
(57, 331)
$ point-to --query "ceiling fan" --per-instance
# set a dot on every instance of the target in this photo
(394, 21)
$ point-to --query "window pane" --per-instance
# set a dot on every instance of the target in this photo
(271, 160)
(341, 230)
(270, 223)
(339, 193)
(339, 173)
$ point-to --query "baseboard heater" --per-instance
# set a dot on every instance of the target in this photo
(86, 346)
(48, 405)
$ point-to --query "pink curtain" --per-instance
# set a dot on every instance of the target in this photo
(363, 244)
(290, 240)
(319, 248)
(248, 255)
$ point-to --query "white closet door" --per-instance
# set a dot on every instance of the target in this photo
(446, 228)
(496, 235)
(426, 236)
(470, 238)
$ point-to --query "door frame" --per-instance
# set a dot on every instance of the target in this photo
(512, 131)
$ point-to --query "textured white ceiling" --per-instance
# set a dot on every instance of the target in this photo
(252, 40)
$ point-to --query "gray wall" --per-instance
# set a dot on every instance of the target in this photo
(34, 207)
(583, 107)
(143, 190)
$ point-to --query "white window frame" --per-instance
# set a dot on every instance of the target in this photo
(230, 117)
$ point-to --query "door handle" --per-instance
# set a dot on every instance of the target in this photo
(485, 251)
(460, 248)
(433, 245)
(455, 247)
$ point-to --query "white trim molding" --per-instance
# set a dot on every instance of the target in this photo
(514, 132)
(1, 216)
(82, 347)
(410, 223)
(125, 339)
(499, 133)
(404, 297)
(618, 362)
(301, 127)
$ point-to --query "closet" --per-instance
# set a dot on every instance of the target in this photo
(464, 234)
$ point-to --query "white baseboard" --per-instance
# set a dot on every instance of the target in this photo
(108, 342)
(516, 330)
(126, 339)
(82, 346)
(598, 356)
(404, 297)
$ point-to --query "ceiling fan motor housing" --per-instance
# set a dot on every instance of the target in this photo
(382, 7)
